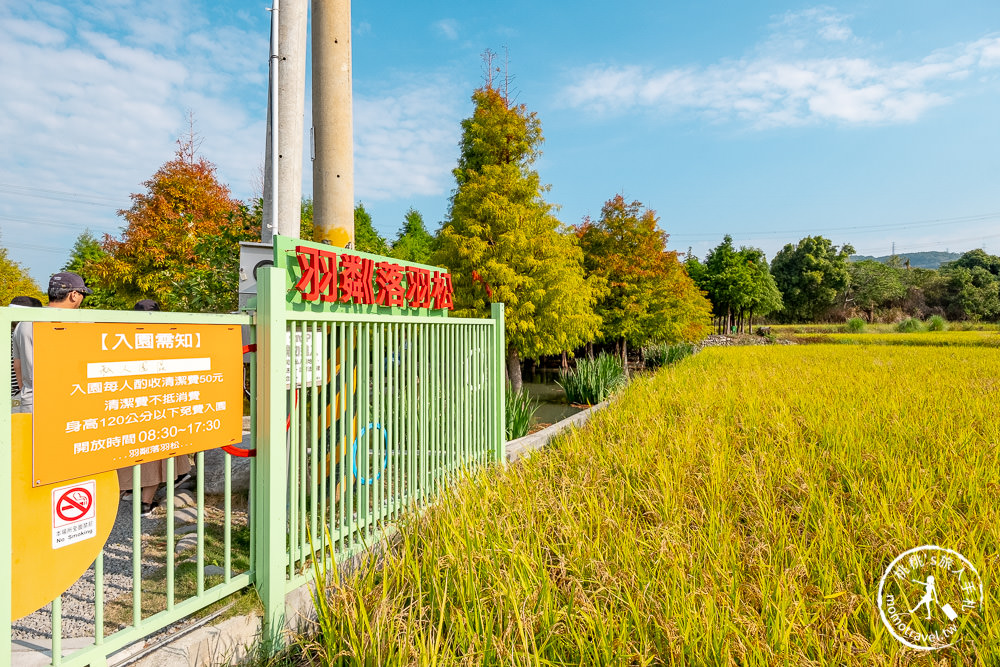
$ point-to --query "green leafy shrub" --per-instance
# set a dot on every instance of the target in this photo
(937, 323)
(520, 409)
(593, 380)
(664, 354)
(910, 325)
(855, 325)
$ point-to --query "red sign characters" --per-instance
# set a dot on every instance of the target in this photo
(329, 277)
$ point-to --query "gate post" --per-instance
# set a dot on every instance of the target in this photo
(499, 386)
(272, 466)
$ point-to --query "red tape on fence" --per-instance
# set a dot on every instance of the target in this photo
(232, 449)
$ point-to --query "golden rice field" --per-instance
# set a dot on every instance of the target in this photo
(936, 338)
(736, 509)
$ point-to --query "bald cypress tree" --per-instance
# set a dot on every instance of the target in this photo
(503, 243)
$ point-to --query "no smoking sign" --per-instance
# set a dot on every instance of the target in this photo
(74, 513)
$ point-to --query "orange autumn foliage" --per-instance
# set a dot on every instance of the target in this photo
(167, 227)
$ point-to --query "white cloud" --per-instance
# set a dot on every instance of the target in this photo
(93, 102)
(447, 28)
(784, 85)
(406, 141)
(823, 22)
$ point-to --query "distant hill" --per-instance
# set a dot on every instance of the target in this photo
(918, 260)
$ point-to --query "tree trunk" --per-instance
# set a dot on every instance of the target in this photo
(565, 361)
(625, 355)
(514, 370)
(590, 350)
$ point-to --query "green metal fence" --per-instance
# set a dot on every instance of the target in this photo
(142, 611)
(360, 417)
(378, 412)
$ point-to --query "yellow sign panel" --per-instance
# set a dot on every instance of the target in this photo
(109, 396)
(47, 562)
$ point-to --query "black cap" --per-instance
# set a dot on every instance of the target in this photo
(146, 304)
(69, 281)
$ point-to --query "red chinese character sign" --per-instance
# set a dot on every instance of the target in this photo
(324, 275)
(108, 396)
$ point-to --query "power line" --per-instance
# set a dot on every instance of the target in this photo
(30, 246)
(709, 236)
(59, 195)
(48, 223)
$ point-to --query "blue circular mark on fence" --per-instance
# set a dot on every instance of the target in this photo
(385, 458)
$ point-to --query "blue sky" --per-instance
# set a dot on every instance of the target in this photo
(867, 122)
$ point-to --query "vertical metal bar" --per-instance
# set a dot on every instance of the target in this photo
(227, 518)
(452, 399)
(364, 440)
(200, 462)
(342, 448)
(411, 420)
(321, 434)
(271, 472)
(378, 354)
(302, 396)
(499, 374)
(293, 458)
(390, 414)
(351, 479)
(484, 394)
(99, 599)
(251, 493)
(170, 531)
(467, 396)
(136, 546)
(312, 431)
(435, 417)
(425, 401)
(57, 630)
(6, 514)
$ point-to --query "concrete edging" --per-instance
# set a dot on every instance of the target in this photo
(523, 447)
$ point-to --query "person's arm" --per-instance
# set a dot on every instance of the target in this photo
(17, 373)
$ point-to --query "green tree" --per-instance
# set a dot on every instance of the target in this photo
(15, 281)
(87, 252)
(873, 284)
(414, 243)
(501, 235)
(970, 287)
(649, 295)
(738, 283)
(366, 239)
(809, 276)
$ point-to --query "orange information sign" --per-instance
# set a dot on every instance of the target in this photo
(109, 396)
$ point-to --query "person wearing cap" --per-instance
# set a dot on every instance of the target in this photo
(19, 302)
(66, 290)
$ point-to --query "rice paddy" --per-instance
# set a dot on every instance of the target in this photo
(933, 338)
(737, 508)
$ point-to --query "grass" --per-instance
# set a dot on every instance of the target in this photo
(593, 380)
(118, 611)
(790, 330)
(664, 354)
(930, 338)
(521, 407)
(737, 509)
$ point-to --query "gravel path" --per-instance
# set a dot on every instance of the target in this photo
(78, 601)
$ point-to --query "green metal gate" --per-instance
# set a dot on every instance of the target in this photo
(357, 416)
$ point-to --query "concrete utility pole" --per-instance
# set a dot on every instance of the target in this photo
(333, 123)
(292, 23)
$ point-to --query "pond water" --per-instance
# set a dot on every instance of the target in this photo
(552, 406)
